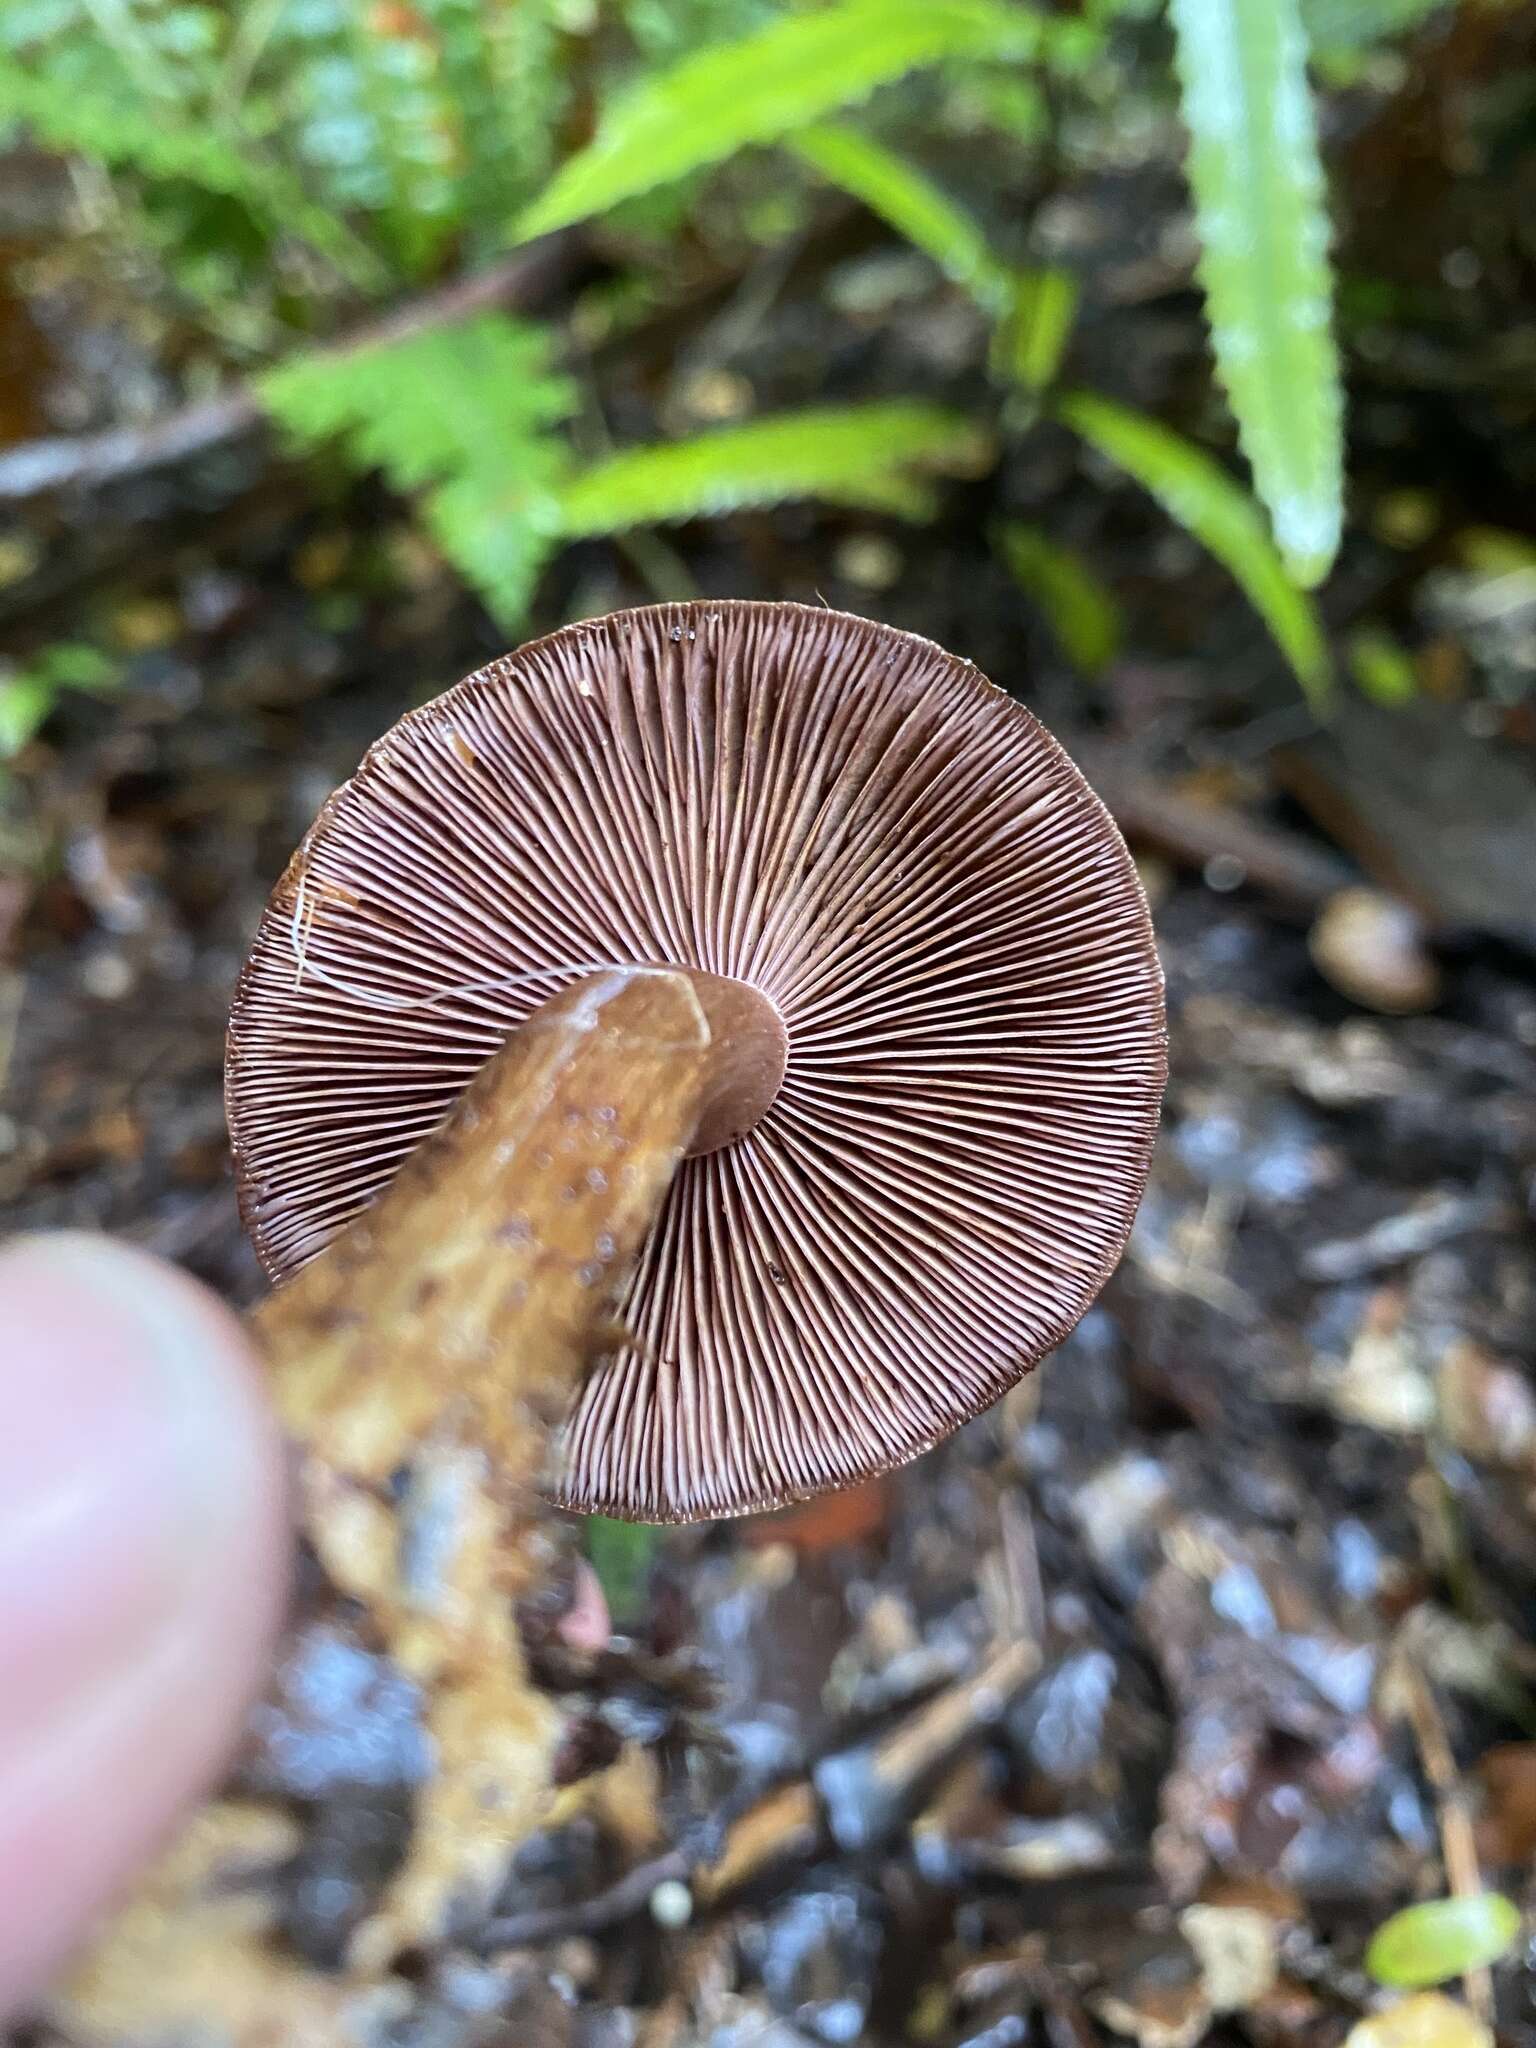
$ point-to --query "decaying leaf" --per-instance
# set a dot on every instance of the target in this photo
(1238, 1950)
(1429, 2020)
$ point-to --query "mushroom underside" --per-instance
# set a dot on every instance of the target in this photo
(929, 971)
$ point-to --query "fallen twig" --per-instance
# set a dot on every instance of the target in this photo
(791, 1823)
(1281, 863)
(1396, 1239)
(78, 462)
(865, 1791)
(620, 1902)
(1458, 1843)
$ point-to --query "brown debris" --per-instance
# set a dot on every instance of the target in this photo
(1258, 1676)
(1435, 815)
(868, 1790)
(1506, 1824)
(1487, 1407)
(1194, 832)
(1238, 1950)
(860, 1514)
(782, 1828)
(1157, 1997)
(1396, 1239)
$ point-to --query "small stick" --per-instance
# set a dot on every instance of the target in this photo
(1280, 863)
(1458, 1842)
(78, 462)
(1025, 1589)
(783, 1827)
(865, 1791)
(625, 1897)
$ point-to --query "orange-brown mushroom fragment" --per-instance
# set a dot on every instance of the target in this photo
(916, 933)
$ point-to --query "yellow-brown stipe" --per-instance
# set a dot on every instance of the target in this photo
(419, 1364)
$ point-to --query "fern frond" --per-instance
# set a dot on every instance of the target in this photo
(124, 133)
(913, 205)
(502, 72)
(1078, 607)
(1198, 493)
(866, 455)
(762, 87)
(417, 142)
(1257, 179)
(358, 103)
(465, 416)
(108, 123)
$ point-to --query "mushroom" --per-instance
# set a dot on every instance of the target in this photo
(934, 1007)
(799, 897)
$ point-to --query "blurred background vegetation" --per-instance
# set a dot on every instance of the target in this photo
(513, 256)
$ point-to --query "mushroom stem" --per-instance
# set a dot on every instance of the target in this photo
(748, 1052)
(420, 1363)
(423, 1360)
(473, 1292)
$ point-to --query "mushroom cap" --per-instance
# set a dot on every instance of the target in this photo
(877, 839)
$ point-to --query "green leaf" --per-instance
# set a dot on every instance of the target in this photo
(466, 416)
(1492, 551)
(761, 87)
(1383, 669)
(28, 695)
(76, 665)
(1198, 493)
(914, 206)
(25, 701)
(1081, 611)
(120, 130)
(853, 455)
(1033, 337)
(622, 1554)
(1258, 189)
(1442, 1938)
